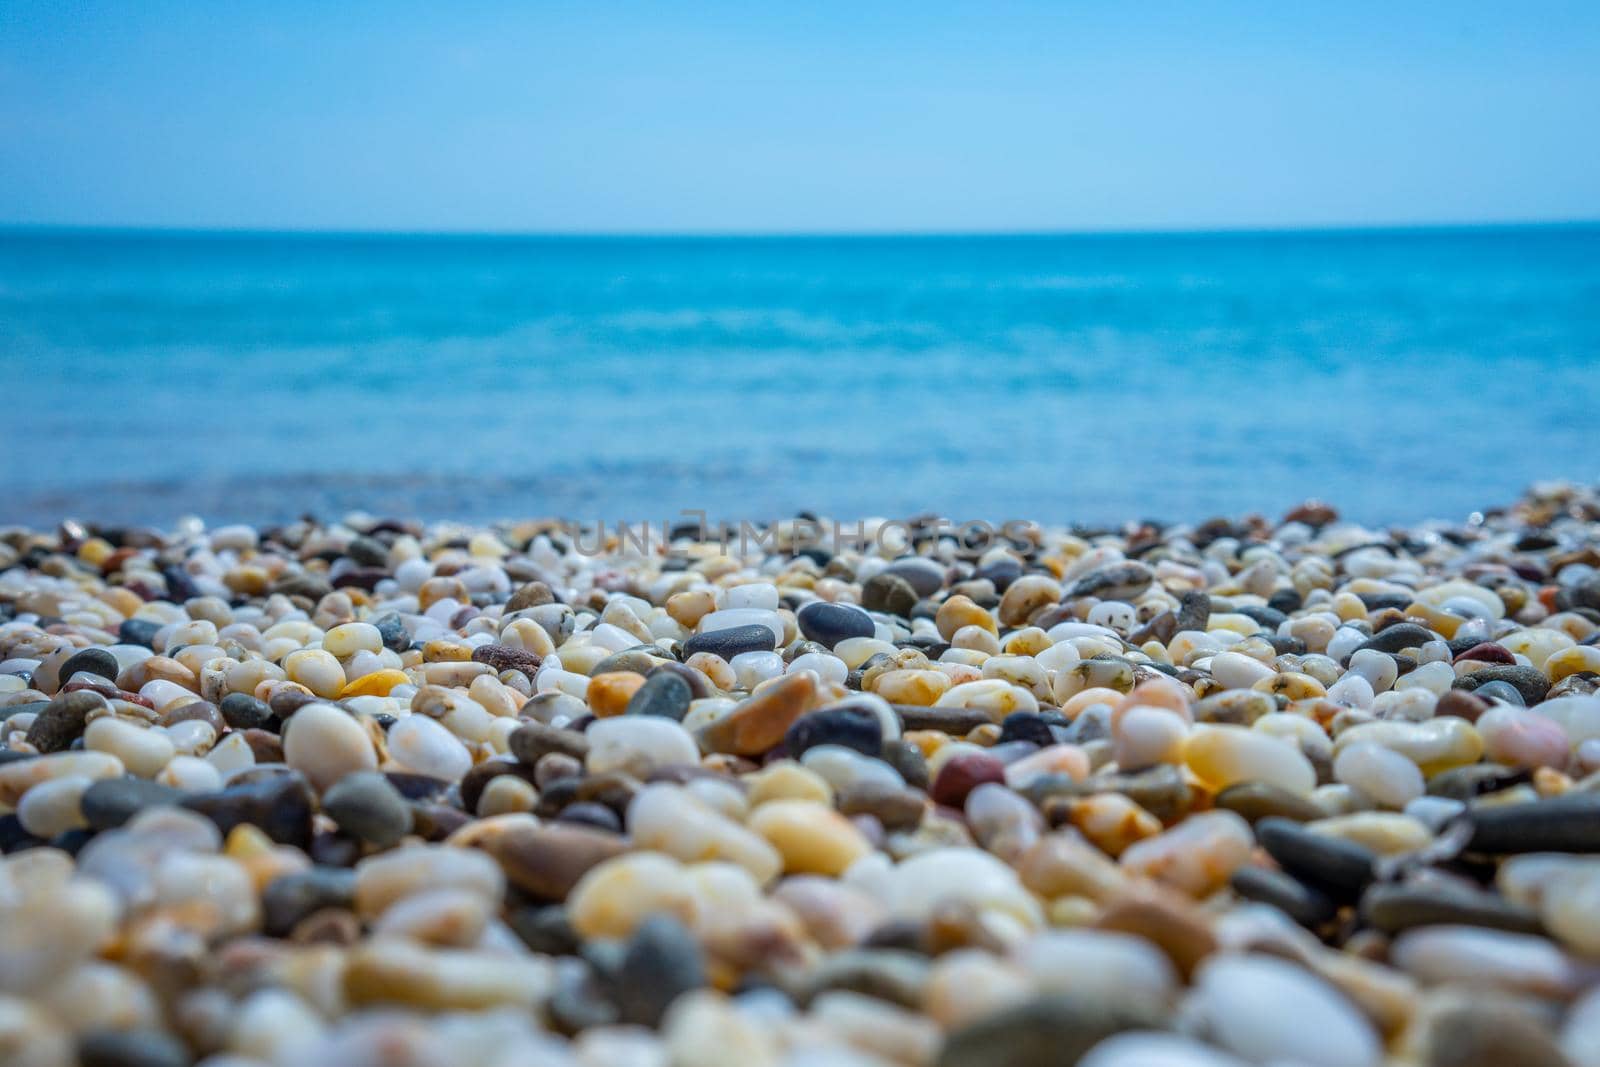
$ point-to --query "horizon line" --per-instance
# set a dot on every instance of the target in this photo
(1243, 230)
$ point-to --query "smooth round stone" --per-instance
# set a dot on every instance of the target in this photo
(17, 778)
(111, 802)
(1569, 823)
(1475, 957)
(845, 725)
(662, 961)
(422, 745)
(732, 641)
(638, 745)
(62, 721)
(1521, 738)
(1197, 856)
(1530, 683)
(1097, 963)
(291, 897)
(963, 773)
(54, 807)
(670, 819)
(367, 807)
(889, 594)
(1230, 755)
(317, 670)
(845, 769)
(383, 879)
(828, 624)
(810, 838)
(1267, 1009)
(325, 743)
(131, 1048)
(1305, 905)
(1384, 775)
(1337, 867)
(613, 898)
(97, 661)
(546, 861)
(1489, 1035)
(241, 711)
(760, 723)
(352, 637)
(281, 806)
(143, 750)
(959, 876)
(1046, 1031)
(1258, 800)
(664, 695)
(1396, 908)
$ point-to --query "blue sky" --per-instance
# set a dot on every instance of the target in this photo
(798, 116)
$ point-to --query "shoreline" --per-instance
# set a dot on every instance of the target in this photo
(1241, 790)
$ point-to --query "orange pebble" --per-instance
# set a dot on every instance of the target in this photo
(610, 692)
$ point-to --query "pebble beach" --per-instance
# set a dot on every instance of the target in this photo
(373, 792)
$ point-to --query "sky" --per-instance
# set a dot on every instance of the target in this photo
(811, 116)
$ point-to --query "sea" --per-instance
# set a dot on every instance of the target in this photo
(1400, 374)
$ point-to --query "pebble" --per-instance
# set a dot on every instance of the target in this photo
(828, 624)
(376, 790)
(325, 743)
(367, 807)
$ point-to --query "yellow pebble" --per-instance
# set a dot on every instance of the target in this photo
(811, 838)
(961, 611)
(787, 780)
(1570, 661)
(376, 684)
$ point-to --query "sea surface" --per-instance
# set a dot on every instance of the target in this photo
(1400, 374)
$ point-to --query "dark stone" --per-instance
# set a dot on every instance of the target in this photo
(1119, 581)
(530, 595)
(545, 929)
(1397, 908)
(1001, 573)
(131, 1048)
(1194, 611)
(13, 838)
(1529, 682)
(957, 721)
(62, 720)
(180, 587)
(1487, 652)
(1269, 618)
(662, 962)
(908, 759)
(699, 688)
(1460, 704)
(95, 661)
(303, 585)
(140, 632)
(1295, 899)
(241, 711)
(1026, 726)
(853, 727)
(1048, 1031)
(265, 745)
(532, 740)
(637, 660)
(435, 822)
(393, 630)
(414, 786)
(925, 576)
(890, 594)
(897, 808)
(368, 808)
(1401, 635)
(280, 806)
(1342, 869)
(72, 841)
(1504, 692)
(1568, 823)
(289, 898)
(110, 802)
(828, 624)
(589, 813)
(732, 641)
(665, 695)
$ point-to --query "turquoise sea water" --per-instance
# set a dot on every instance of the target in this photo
(1401, 374)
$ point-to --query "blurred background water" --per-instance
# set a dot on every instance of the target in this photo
(1400, 374)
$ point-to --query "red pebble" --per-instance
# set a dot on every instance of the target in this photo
(964, 773)
(1487, 652)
